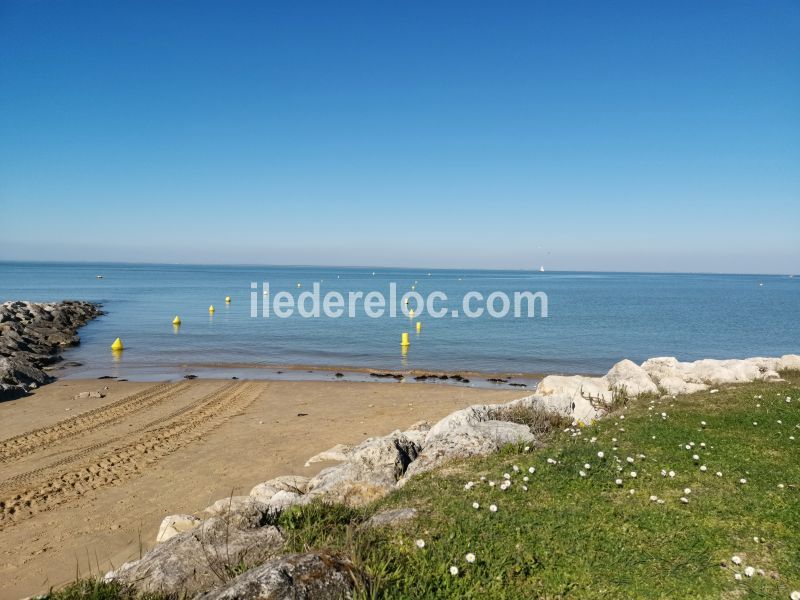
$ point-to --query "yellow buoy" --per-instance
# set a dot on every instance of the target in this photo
(227, 299)
(117, 345)
(176, 320)
(404, 339)
(211, 308)
(419, 326)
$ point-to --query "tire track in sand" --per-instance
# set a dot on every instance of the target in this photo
(60, 482)
(43, 438)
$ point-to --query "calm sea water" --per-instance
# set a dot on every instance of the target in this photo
(595, 319)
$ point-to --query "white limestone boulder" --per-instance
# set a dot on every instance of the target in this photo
(295, 484)
(338, 453)
(175, 524)
(467, 432)
(192, 561)
(371, 471)
(788, 362)
(630, 378)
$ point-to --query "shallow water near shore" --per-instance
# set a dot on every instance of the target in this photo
(595, 319)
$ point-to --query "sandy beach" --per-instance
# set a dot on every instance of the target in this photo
(85, 482)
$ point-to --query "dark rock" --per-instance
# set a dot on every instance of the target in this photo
(31, 336)
(190, 376)
(309, 576)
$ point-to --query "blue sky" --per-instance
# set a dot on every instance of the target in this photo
(581, 135)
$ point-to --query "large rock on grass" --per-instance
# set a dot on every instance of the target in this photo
(310, 576)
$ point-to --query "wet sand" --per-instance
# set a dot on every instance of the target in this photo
(84, 483)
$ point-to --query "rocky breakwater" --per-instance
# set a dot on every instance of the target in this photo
(186, 559)
(31, 338)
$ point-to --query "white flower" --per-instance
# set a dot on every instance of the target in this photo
(483, 477)
(780, 486)
(736, 560)
(755, 422)
(470, 557)
(593, 440)
(756, 540)
(420, 543)
(695, 457)
(492, 508)
(551, 461)
(688, 447)
(631, 491)
(684, 500)
(703, 468)
(663, 472)
(613, 439)
(672, 473)
(526, 479)
(663, 415)
(718, 473)
(475, 505)
(794, 595)
(633, 474)
(587, 466)
(659, 501)
(702, 444)
(621, 417)
(703, 423)
(453, 570)
(515, 468)
(524, 488)
(687, 491)
(737, 576)
(618, 481)
(749, 571)
(491, 484)
(601, 454)
(743, 480)
(653, 498)
(527, 449)
(630, 459)
(582, 473)
(468, 485)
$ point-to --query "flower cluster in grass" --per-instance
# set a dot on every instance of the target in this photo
(650, 502)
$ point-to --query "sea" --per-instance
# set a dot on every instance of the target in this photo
(593, 319)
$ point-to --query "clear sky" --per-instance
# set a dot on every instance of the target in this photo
(660, 136)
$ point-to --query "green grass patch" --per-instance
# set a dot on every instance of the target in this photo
(577, 536)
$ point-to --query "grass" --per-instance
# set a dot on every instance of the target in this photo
(97, 589)
(586, 537)
(570, 536)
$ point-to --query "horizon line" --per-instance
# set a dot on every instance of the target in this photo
(374, 267)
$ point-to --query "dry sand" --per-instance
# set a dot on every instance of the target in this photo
(84, 483)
